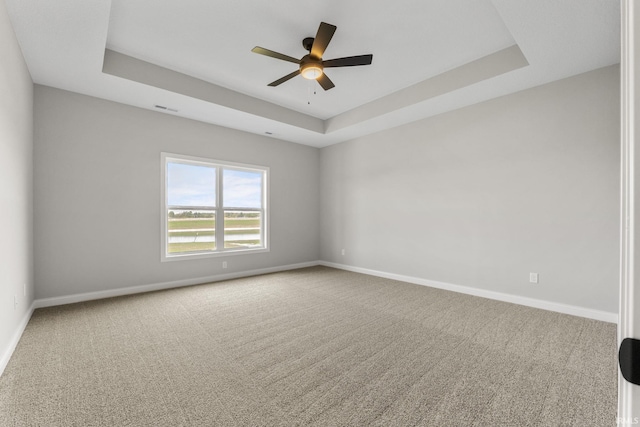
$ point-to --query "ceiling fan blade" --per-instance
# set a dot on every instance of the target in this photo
(272, 54)
(349, 61)
(285, 78)
(323, 37)
(325, 82)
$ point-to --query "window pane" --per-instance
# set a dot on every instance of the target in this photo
(242, 229)
(199, 192)
(190, 230)
(242, 189)
(191, 185)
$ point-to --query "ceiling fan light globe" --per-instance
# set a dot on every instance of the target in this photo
(311, 71)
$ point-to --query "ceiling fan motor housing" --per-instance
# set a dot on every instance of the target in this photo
(311, 68)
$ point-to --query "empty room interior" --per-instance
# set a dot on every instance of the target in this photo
(309, 213)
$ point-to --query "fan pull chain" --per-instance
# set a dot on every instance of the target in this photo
(311, 88)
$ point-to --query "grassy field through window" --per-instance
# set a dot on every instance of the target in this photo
(198, 234)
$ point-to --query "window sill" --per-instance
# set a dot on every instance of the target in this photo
(201, 255)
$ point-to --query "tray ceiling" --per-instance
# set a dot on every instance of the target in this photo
(194, 56)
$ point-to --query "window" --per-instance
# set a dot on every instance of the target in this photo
(212, 207)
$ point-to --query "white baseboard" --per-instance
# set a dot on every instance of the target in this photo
(499, 296)
(6, 355)
(89, 296)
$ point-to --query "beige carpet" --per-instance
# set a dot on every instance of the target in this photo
(315, 346)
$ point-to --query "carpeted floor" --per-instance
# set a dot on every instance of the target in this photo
(317, 347)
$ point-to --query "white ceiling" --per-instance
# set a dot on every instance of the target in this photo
(429, 56)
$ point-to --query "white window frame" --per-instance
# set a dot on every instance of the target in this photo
(220, 166)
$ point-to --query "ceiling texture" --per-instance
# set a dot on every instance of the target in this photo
(194, 57)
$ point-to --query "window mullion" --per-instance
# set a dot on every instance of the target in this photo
(219, 211)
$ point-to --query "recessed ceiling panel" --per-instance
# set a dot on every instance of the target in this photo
(410, 40)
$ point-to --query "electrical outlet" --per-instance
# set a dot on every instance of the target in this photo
(533, 277)
(343, 251)
(224, 264)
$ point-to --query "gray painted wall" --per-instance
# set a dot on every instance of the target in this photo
(16, 184)
(97, 194)
(484, 195)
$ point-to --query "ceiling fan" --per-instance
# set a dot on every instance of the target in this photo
(312, 66)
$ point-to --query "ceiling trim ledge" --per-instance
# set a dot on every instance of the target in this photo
(495, 64)
(130, 68)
